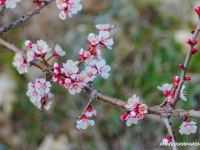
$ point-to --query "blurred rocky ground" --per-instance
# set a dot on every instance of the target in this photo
(149, 43)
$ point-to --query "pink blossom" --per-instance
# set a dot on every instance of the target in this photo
(90, 112)
(41, 47)
(93, 39)
(143, 109)
(70, 69)
(11, 3)
(132, 102)
(58, 51)
(131, 120)
(68, 8)
(28, 44)
(183, 93)
(20, 63)
(83, 122)
(165, 88)
(91, 72)
(83, 54)
(31, 55)
(103, 27)
(42, 85)
(188, 127)
(103, 69)
(103, 39)
(38, 92)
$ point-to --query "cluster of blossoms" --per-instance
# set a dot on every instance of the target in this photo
(68, 8)
(83, 122)
(94, 42)
(169, 90)
(169, 93)
(40, 49)
(9, 3)
(135, 111)
(38, 92)
(71, 77)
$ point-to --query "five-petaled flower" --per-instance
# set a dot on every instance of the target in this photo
(20, 63)
(83, 122)
(188, 127)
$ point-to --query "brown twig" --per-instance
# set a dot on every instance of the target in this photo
(22, 19)
(169, 128)
(185, 66)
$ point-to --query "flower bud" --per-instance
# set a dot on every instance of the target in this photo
(189, 41)
(176, 80)
(180, 65)
(197, 9)
(188, 78)
(195, 42)
(194, 50)
(123, 116)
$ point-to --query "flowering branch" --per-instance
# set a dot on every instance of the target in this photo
(156, 110)
(184, 67)
(171, 135)
(24, 18)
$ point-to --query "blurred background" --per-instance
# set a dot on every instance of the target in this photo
(149, 44)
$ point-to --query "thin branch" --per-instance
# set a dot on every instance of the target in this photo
(185, 66)
(94, 93)
(169, 128)
(22, 19)
(2, 11)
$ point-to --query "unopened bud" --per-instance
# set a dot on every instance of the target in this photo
(188, 78)
(176, 80)
(180, 65)
(189, 41)
(123, 116)
(195, 42)
(197, 9)
(194, 50)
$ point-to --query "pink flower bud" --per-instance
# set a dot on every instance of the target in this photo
(197, 9)
(180, 65)
(2, 2)
(123, 116)
(38, 4)
(188, 78)
(194, 50)
(172, 93)
(62, 82)
(56, 66)
(176, 79)
(195, 42)
(189, 41)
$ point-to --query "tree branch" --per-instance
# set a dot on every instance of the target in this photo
(155, 110)
(185, 66)
(169, 128)
(22, 19)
